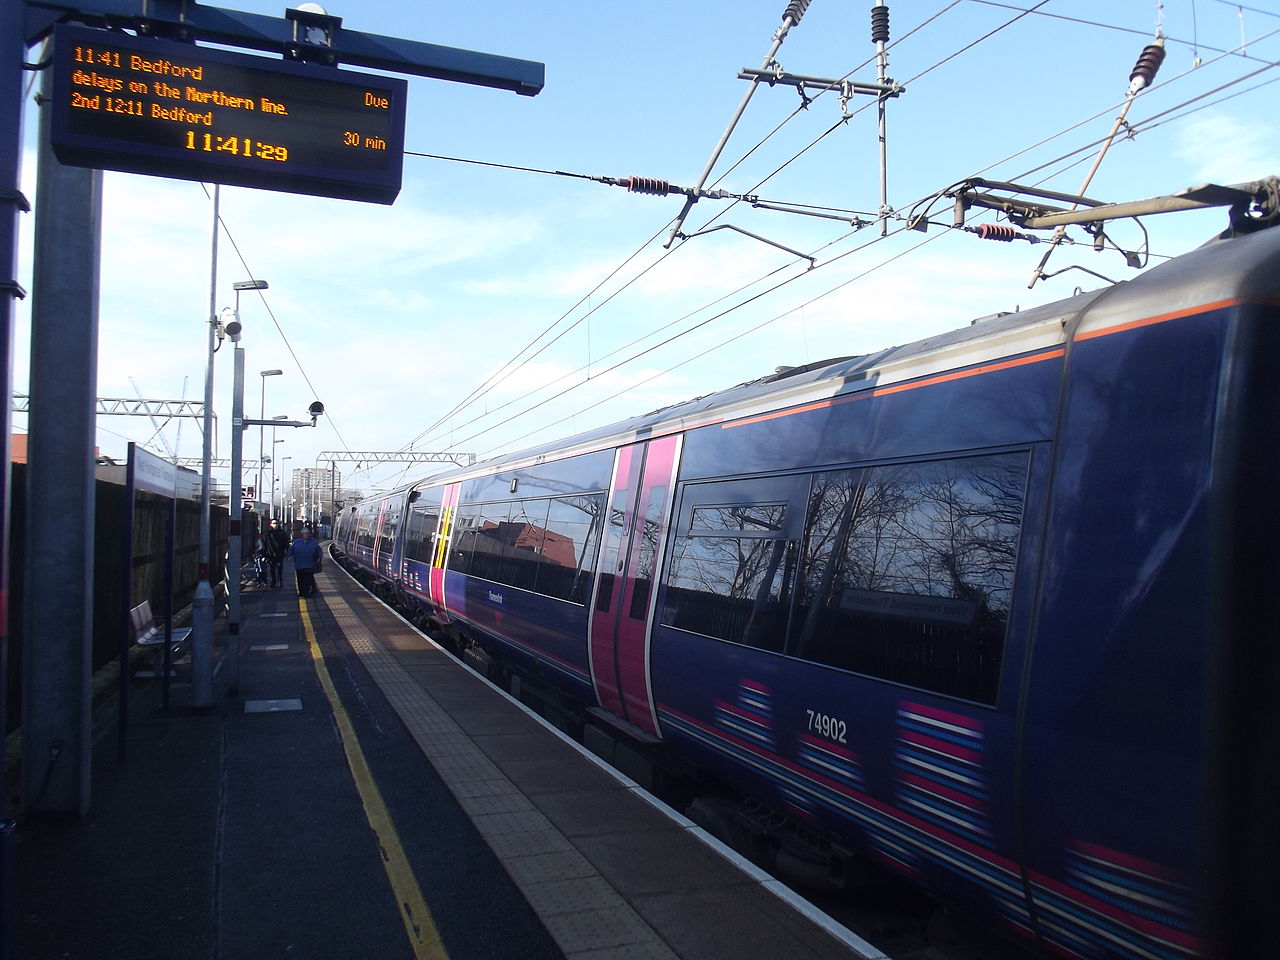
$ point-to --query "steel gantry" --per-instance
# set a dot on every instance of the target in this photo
(394, 456)
(125, 407)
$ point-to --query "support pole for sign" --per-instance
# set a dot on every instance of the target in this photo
(235, 552)
(170, 531)
(202, 604)
(126, 600)
(56, 723)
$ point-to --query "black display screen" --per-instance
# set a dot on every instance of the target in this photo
(167, 109)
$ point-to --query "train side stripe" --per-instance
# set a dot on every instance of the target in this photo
(1063, 909)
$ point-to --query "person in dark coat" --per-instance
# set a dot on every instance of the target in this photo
(275, 544)
(306, 562)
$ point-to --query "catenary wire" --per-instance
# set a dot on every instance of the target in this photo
(494, 377)
(1024, 12)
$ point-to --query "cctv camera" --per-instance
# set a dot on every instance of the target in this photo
(233, 330)
(316, 409)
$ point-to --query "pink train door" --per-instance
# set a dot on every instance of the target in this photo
(635, 529)
(440, 556)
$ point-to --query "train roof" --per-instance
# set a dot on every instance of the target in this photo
(1246, 267)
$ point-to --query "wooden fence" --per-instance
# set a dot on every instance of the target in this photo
(150, 515)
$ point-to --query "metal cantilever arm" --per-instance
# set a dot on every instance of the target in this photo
(753, 236)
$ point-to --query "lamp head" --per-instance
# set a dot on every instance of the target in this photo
(250, 285)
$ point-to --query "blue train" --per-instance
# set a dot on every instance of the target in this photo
(996, 609)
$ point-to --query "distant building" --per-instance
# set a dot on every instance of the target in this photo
(313, 491)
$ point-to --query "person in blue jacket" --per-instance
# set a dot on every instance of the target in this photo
(306, 562)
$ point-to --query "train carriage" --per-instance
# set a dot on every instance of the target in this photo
(989, 609)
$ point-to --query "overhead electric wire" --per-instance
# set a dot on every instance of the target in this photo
(757, 327)
(769, 176)
(717, 346)
(482, 388)
(1193, 44)
(1146, 124)
(1149, 122)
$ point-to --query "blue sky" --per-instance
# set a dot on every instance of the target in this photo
(394, 315)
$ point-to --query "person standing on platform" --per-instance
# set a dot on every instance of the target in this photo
(275, 544)
(306, 562)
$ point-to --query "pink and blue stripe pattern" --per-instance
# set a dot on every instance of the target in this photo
(941, 775)
(751, 716)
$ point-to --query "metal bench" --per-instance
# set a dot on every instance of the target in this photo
(146, 632)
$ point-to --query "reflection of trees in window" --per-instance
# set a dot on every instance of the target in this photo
(733, 587)
(647, 556)
(611, 554)
(908, 571)
(903, 572)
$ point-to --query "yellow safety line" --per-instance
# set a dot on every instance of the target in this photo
(418, 922)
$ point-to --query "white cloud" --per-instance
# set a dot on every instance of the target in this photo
(1224, 148)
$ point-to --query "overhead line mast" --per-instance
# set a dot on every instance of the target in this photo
(790, 17)
(1140, 77)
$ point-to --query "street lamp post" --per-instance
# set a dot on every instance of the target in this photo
(275, 513)
(235, 503)
(284, 504)
(262, 414)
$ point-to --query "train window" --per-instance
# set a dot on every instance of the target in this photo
(569, 546)
(907, 571)
(610, 560)
(754, 517)
(648, 554)
(477, 547)
(420, 528)
(522, 538)
(548, 546)
(733, 561)
(389, 524)
(731, 588)
(364, 525)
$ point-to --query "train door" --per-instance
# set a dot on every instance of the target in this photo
(635, 529)
(448, 509)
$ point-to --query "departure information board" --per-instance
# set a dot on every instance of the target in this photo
(176, 110)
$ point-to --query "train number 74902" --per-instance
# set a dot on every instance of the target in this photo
(827, 726)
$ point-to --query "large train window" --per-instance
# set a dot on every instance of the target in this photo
(569, 546)
(544, 545)
(388, 526)
(522, 537)
(365, 520)
(477, 539)
(907, 571)
(732, 562)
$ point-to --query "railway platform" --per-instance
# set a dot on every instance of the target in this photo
(364, 794)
